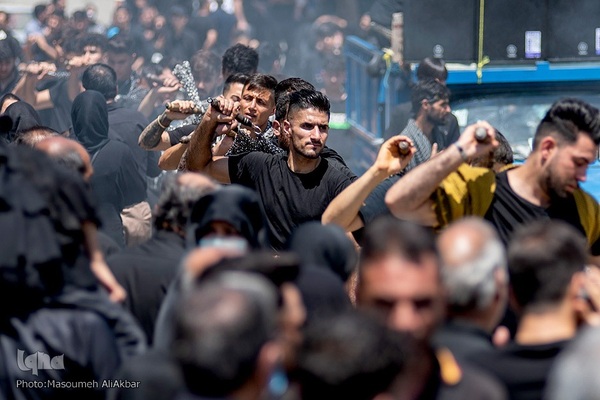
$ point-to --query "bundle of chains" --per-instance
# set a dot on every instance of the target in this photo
(183, 72)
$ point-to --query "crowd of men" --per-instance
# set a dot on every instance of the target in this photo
(263, 267)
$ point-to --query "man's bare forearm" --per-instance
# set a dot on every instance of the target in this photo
(151, 135)
(416, 187)
(199, 153)
(343, 210)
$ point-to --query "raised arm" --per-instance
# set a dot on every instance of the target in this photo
(154, 136)
(343, 210)
(25, 88)
(199, 153)
(409, 198)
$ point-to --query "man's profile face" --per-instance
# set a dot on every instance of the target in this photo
(408, 295)
(438, 111)
(307, 132)
(258, 105)
(569, 165)
(121, 63)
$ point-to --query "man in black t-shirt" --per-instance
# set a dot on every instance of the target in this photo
(293, 188)
(546, 186)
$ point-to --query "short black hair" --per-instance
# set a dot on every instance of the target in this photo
(430, 90)
(542, 258)
(92, 39)
(101, 78)
(388, 235)
(566, 118)
(305, 99)
(349, 356)
(235, 78)
(239, 58)
(432, 68)
(121, 43)
(261, 82)
(282, 91)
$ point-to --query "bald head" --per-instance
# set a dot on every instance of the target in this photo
(463, 240)
(69, 153)
(473, 264)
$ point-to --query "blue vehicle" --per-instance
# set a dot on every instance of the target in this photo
(513, 98)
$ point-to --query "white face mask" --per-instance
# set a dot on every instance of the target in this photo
(234, 243)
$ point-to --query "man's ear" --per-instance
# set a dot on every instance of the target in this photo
(276, 128)
(287, 128)
(547, 146)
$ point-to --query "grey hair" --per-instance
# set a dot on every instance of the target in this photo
(472, 284)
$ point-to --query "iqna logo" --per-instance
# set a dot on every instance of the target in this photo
(39, 360)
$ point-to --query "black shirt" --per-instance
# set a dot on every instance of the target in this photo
(288, 198)
(509, 210)
(523, 369)
(145, 272)
(126, 126)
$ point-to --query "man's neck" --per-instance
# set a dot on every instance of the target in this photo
(425, 126)
(524, 181)
(551, 325)
(302, 165)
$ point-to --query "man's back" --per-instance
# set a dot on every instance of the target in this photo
(145, 272)
(522, 368)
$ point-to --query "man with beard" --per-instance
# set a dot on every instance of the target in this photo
(545, 186)
(295, 187)
(430, 107)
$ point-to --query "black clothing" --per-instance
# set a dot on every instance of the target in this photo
(55, 307)
(480, 191)
(324, 246)
(180, 47)
(200, 26)
(10, 85)
(116, 182)
(463, 339)
(509, 210)
(59, 116)
(176, 134)
(322, 292)
(288, 198)
(23, 117)
(337, 162)
(82, 338)
(145, 272)
(236, 205)
(159, 375)
(522, 368)
(126, 125)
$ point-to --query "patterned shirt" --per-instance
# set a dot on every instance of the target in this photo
(244, 143)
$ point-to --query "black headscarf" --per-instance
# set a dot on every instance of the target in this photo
(324, 246)
(236, 205)
(90, 120)
(23, 117)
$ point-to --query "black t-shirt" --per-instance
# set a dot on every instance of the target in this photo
(289, 199)
(59, 116)
(522, 368)
(176, 134)
(508, 210)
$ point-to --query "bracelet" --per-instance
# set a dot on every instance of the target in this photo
(461, 151)
(159, 124)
